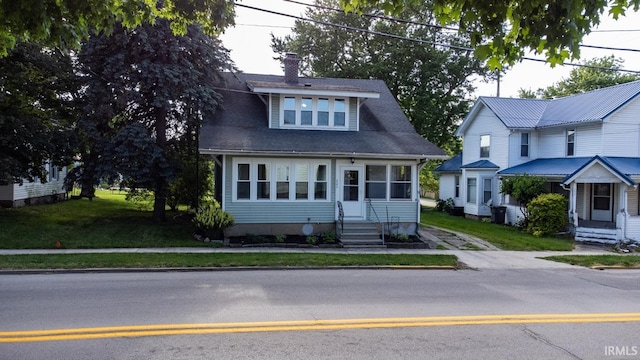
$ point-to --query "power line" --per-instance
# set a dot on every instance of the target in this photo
(399, 37)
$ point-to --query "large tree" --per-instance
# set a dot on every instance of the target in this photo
(38, 88)
(593, 74)
(146, 89)
(64, 23)
(431, 82)
(503, 30)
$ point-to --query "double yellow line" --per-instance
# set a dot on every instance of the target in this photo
(304, 325)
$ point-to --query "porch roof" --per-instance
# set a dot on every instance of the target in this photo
(568, 168)
(480, 164)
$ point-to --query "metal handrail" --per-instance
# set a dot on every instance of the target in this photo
(370, 207)
(340, 219)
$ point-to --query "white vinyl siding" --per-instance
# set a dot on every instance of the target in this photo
(621, 132)
(486, 123)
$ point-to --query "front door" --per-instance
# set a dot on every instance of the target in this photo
(351, 193)
(602, 202)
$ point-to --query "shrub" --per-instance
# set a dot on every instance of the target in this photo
(445, 205)
(211, 221)
(547, 214)
(312, 240)
(329, 237)
(280, 238)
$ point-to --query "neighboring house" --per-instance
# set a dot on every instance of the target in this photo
(31, 193)
(586, 146)
(298, 156)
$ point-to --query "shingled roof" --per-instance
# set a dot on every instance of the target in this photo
(242, 126)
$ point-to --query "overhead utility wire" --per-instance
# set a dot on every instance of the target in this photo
(410, 22)
(455, 47)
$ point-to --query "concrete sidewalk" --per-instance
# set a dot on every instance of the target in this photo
(477, 260)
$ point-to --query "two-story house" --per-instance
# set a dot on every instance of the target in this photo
(586, 146)
(297, 155)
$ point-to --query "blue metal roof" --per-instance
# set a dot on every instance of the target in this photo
(452, 165)
(566, 168)
(591, 106)
(481, 164)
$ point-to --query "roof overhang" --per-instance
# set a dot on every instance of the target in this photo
(309, 89)
(597, 160)
(321, 154)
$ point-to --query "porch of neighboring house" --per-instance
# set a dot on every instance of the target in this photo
(597, 215)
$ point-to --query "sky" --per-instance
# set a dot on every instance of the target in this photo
(249, 42)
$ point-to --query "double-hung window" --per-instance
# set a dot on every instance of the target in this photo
(471, 190)
(571, 142)
(485, 146)
(320, 185)
(314, 112)
(524, 144)
(302, 181)
(243, 181)
(486, 190)
(400, 182)
(376, 182)
(282, 181)
(264, 182)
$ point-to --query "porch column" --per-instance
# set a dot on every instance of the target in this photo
(573, 213)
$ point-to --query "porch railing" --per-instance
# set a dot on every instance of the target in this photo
(370, 209)
(340, 222)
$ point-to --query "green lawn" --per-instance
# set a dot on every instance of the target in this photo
(502, 236)
(623, 261)
(262, 259)
(106, 222)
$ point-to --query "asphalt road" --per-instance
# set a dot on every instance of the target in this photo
(327, 314)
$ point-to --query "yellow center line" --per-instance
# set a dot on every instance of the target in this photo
(304, 325)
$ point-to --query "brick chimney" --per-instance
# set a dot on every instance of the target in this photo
(291, 68)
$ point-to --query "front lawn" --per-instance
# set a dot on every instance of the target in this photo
(106, 222)
(199, 260)
(503, 236)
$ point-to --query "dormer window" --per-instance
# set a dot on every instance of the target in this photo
(314, 111)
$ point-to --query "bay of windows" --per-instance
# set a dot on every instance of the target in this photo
(312, 111)
(280, 180)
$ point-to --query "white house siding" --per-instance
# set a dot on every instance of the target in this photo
(486, 123)
(514, 148)
(552, 143)
(621, 132)
(447, 188)
(33, 192)
(588, 140)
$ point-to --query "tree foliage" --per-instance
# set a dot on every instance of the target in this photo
(523, 188)
(502, 31)
(432, 84)
(596, 73)
(147, 90)
(38, 88)
(64, 23)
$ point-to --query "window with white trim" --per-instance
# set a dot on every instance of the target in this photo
(471, 190)
(571, 142)
(314, 112)
(524, 144)
(54, 173)
(400, 182)
(457, 189)
(486, 190)
(485, 146)
(280, 180)
(376, 182)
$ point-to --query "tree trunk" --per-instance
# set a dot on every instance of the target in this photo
(161, 187)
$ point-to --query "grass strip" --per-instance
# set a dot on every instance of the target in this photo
(195, 260)
(502, 236)
(623, 261)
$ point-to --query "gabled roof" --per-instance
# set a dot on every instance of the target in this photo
(570, 168)
(452, 165)
(480, 164)
(603, 161)
(242, 126)
(592, 106)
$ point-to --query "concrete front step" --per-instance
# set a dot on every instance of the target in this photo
(361, 234)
